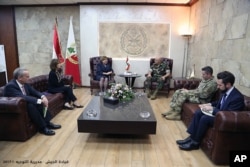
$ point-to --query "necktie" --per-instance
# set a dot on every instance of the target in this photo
(223, 99)
(23, 90)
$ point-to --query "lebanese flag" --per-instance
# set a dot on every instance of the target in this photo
(72, 63)
(128, 64)
(57, 51)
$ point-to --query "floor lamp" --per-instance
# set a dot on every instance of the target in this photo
(184, 65)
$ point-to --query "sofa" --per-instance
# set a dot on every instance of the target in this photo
(15, 124)
(231, 131)
(191, 83)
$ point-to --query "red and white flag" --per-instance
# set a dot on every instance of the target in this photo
(57, 51)
(72, 63)
(128, 64)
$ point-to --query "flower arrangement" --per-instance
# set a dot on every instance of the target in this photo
(121, 92)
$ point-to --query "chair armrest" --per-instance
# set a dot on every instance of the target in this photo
(67, 80)
(232, 121)
(12, 105)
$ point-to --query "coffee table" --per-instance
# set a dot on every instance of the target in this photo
(122, 118)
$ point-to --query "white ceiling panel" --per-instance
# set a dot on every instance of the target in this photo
(117, 1)
(137, 1)
(155, 1)
(176, 1)
(38, 2)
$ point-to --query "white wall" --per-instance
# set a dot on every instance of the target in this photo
(2, 59)
(90, 16)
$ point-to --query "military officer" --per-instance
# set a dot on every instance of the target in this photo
(202, 94)
(158, 72)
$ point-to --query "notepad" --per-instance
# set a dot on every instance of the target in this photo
(207, 113)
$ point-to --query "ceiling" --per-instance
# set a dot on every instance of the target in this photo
(59, 2)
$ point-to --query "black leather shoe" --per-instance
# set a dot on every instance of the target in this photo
(188, 139)
(189, 146)
(77, 106)
(53, 126)
(47, 132)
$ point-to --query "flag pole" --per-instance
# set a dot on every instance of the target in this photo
(59, 41)
(71, 57)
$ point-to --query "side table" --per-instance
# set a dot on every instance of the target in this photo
(191, 83)
(130, 78)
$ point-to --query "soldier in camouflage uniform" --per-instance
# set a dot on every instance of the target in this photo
(158, 72)
(202, 94)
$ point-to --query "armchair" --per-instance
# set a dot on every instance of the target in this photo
(166, 87)
(94, 84)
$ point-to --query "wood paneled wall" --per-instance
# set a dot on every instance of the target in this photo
(8, 38)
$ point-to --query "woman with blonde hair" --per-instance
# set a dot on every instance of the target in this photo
(104, 71)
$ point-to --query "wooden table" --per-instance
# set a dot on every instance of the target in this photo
(122, 118)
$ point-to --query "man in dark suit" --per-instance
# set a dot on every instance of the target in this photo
(231, 100)
(36, 101)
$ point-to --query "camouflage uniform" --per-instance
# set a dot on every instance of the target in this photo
(202, 94)
(157, 71)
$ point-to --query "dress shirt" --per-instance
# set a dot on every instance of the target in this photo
(39, 101)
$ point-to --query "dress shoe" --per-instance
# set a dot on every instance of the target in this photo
(189, 146)
(68, 108)
(77, 106)
(188, 139)
(53, 126)
(47, 132)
